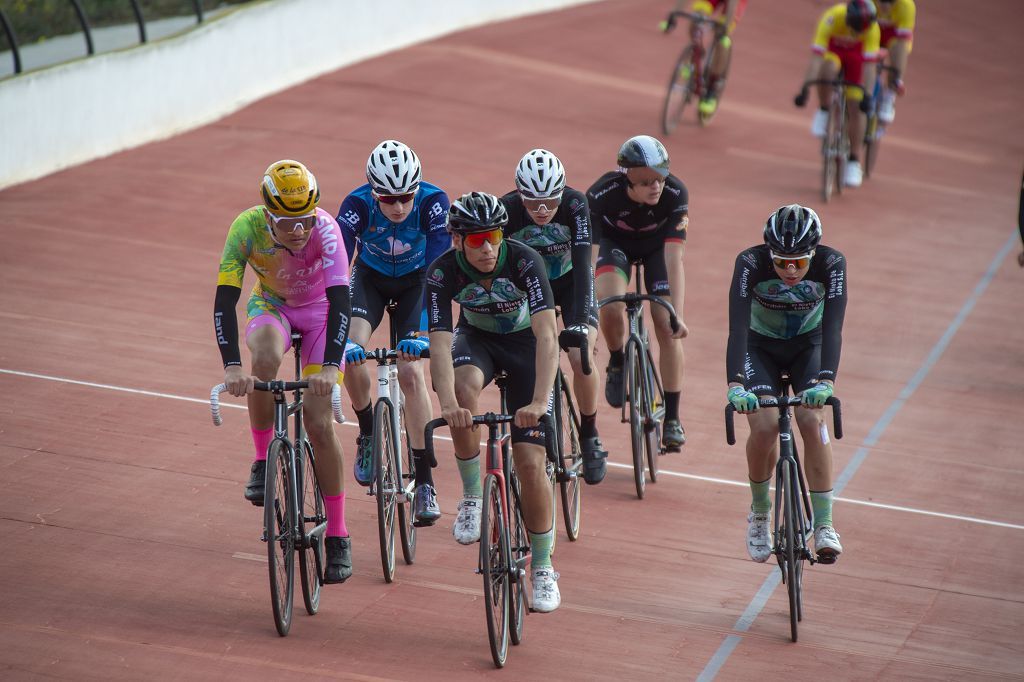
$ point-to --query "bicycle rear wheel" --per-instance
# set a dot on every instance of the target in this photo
(406, 517)
(634, 367)
(494, 561)
(279, 525)
(791, 508)
(680, 91)
(385, 485)
(314, 522)
(570, 462)
(872, 142)
(519, 550)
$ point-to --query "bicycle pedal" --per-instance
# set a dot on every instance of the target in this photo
(422, 524)
(827, 558)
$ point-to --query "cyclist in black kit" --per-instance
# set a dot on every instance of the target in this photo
(786, 309)
(506, 322)
(554, 220)
(640, 213)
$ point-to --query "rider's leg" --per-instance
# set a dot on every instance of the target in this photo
(612, 276)
(818, 462)
(266, 347)
(535, 487)
(585, 386)
(358, 379)
(469, 382)
(417, 412)
(762, 453)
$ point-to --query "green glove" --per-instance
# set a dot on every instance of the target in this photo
(817, 395)
(743, 400)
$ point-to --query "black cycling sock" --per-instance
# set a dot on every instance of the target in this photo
(422, 463)
(588, 425)
(365, 417)
(825, 109)
(853, 157)
(672, 405)
(617, 358)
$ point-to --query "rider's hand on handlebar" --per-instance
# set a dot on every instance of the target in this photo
(410, 348)
(238, 382)
(743, 400)
(667, 24)
(323, 381)
(354, 354)
(680, 330)
(816, 396)
(801, 99)
(530, 415)
(573, 336)
(457, 417)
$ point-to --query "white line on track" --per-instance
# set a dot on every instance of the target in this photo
(676, 474)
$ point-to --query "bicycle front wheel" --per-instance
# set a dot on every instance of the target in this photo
(790, 502)
(680, 91)
(385, 485)
(830, 152)
(634, 395)
(494, 567)
(872, 142)
(314, 523)
(652, 426)
(279, 527)
(570, 464)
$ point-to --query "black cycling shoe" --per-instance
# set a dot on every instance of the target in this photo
(594, 465)
(673, 437)
(257, 482)
(613, 386)
(339, 560)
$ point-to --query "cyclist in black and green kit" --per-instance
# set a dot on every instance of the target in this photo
(554, 220)
(786, 310)
(506, 322)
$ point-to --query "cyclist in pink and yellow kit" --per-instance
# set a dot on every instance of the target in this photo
(301, 265)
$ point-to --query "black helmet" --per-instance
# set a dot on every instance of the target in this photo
(860, 14)
(792, 230)
(643, 151)
(476, 212)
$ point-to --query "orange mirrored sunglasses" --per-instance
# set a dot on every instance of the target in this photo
(476, 239)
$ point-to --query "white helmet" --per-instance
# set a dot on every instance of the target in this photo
(540, 175)
(393, 168)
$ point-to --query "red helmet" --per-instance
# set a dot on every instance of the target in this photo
(860, 15)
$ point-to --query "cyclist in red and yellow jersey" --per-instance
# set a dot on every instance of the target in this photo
(730, 13)
(896, 21)
(847, 39)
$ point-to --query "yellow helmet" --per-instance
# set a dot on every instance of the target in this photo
(289, 189)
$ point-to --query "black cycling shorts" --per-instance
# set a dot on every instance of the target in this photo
(514, 353)
(619, 256)
(768, 358)
(372, 291)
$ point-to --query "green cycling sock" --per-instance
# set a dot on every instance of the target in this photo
(761, 502)
(821, 505)
(540, 548)
(469, 470)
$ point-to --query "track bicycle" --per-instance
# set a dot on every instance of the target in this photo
(643, 402)
(394, 478)
(691, 76)
(294, 520)
(504, 541)
(792, 523)
(835, 145)
(875, 128)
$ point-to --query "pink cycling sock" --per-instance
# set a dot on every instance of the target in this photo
(261, 439)
(334, 505)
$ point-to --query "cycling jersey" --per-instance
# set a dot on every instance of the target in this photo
(519, 289)
(762, 306)
(709, 7)
(617, 217)
(833, 35)
(396, 249)
(564, 244)
(283, 278)
(896, 20)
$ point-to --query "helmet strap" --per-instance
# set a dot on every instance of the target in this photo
(475, 274)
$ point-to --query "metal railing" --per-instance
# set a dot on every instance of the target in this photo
(86, 27)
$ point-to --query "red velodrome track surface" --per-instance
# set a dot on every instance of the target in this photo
(129, 552)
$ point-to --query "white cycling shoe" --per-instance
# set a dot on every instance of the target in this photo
(759, 536)
(546, 597)
(467, 523)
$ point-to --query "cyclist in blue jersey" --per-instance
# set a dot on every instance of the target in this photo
(401, 225)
